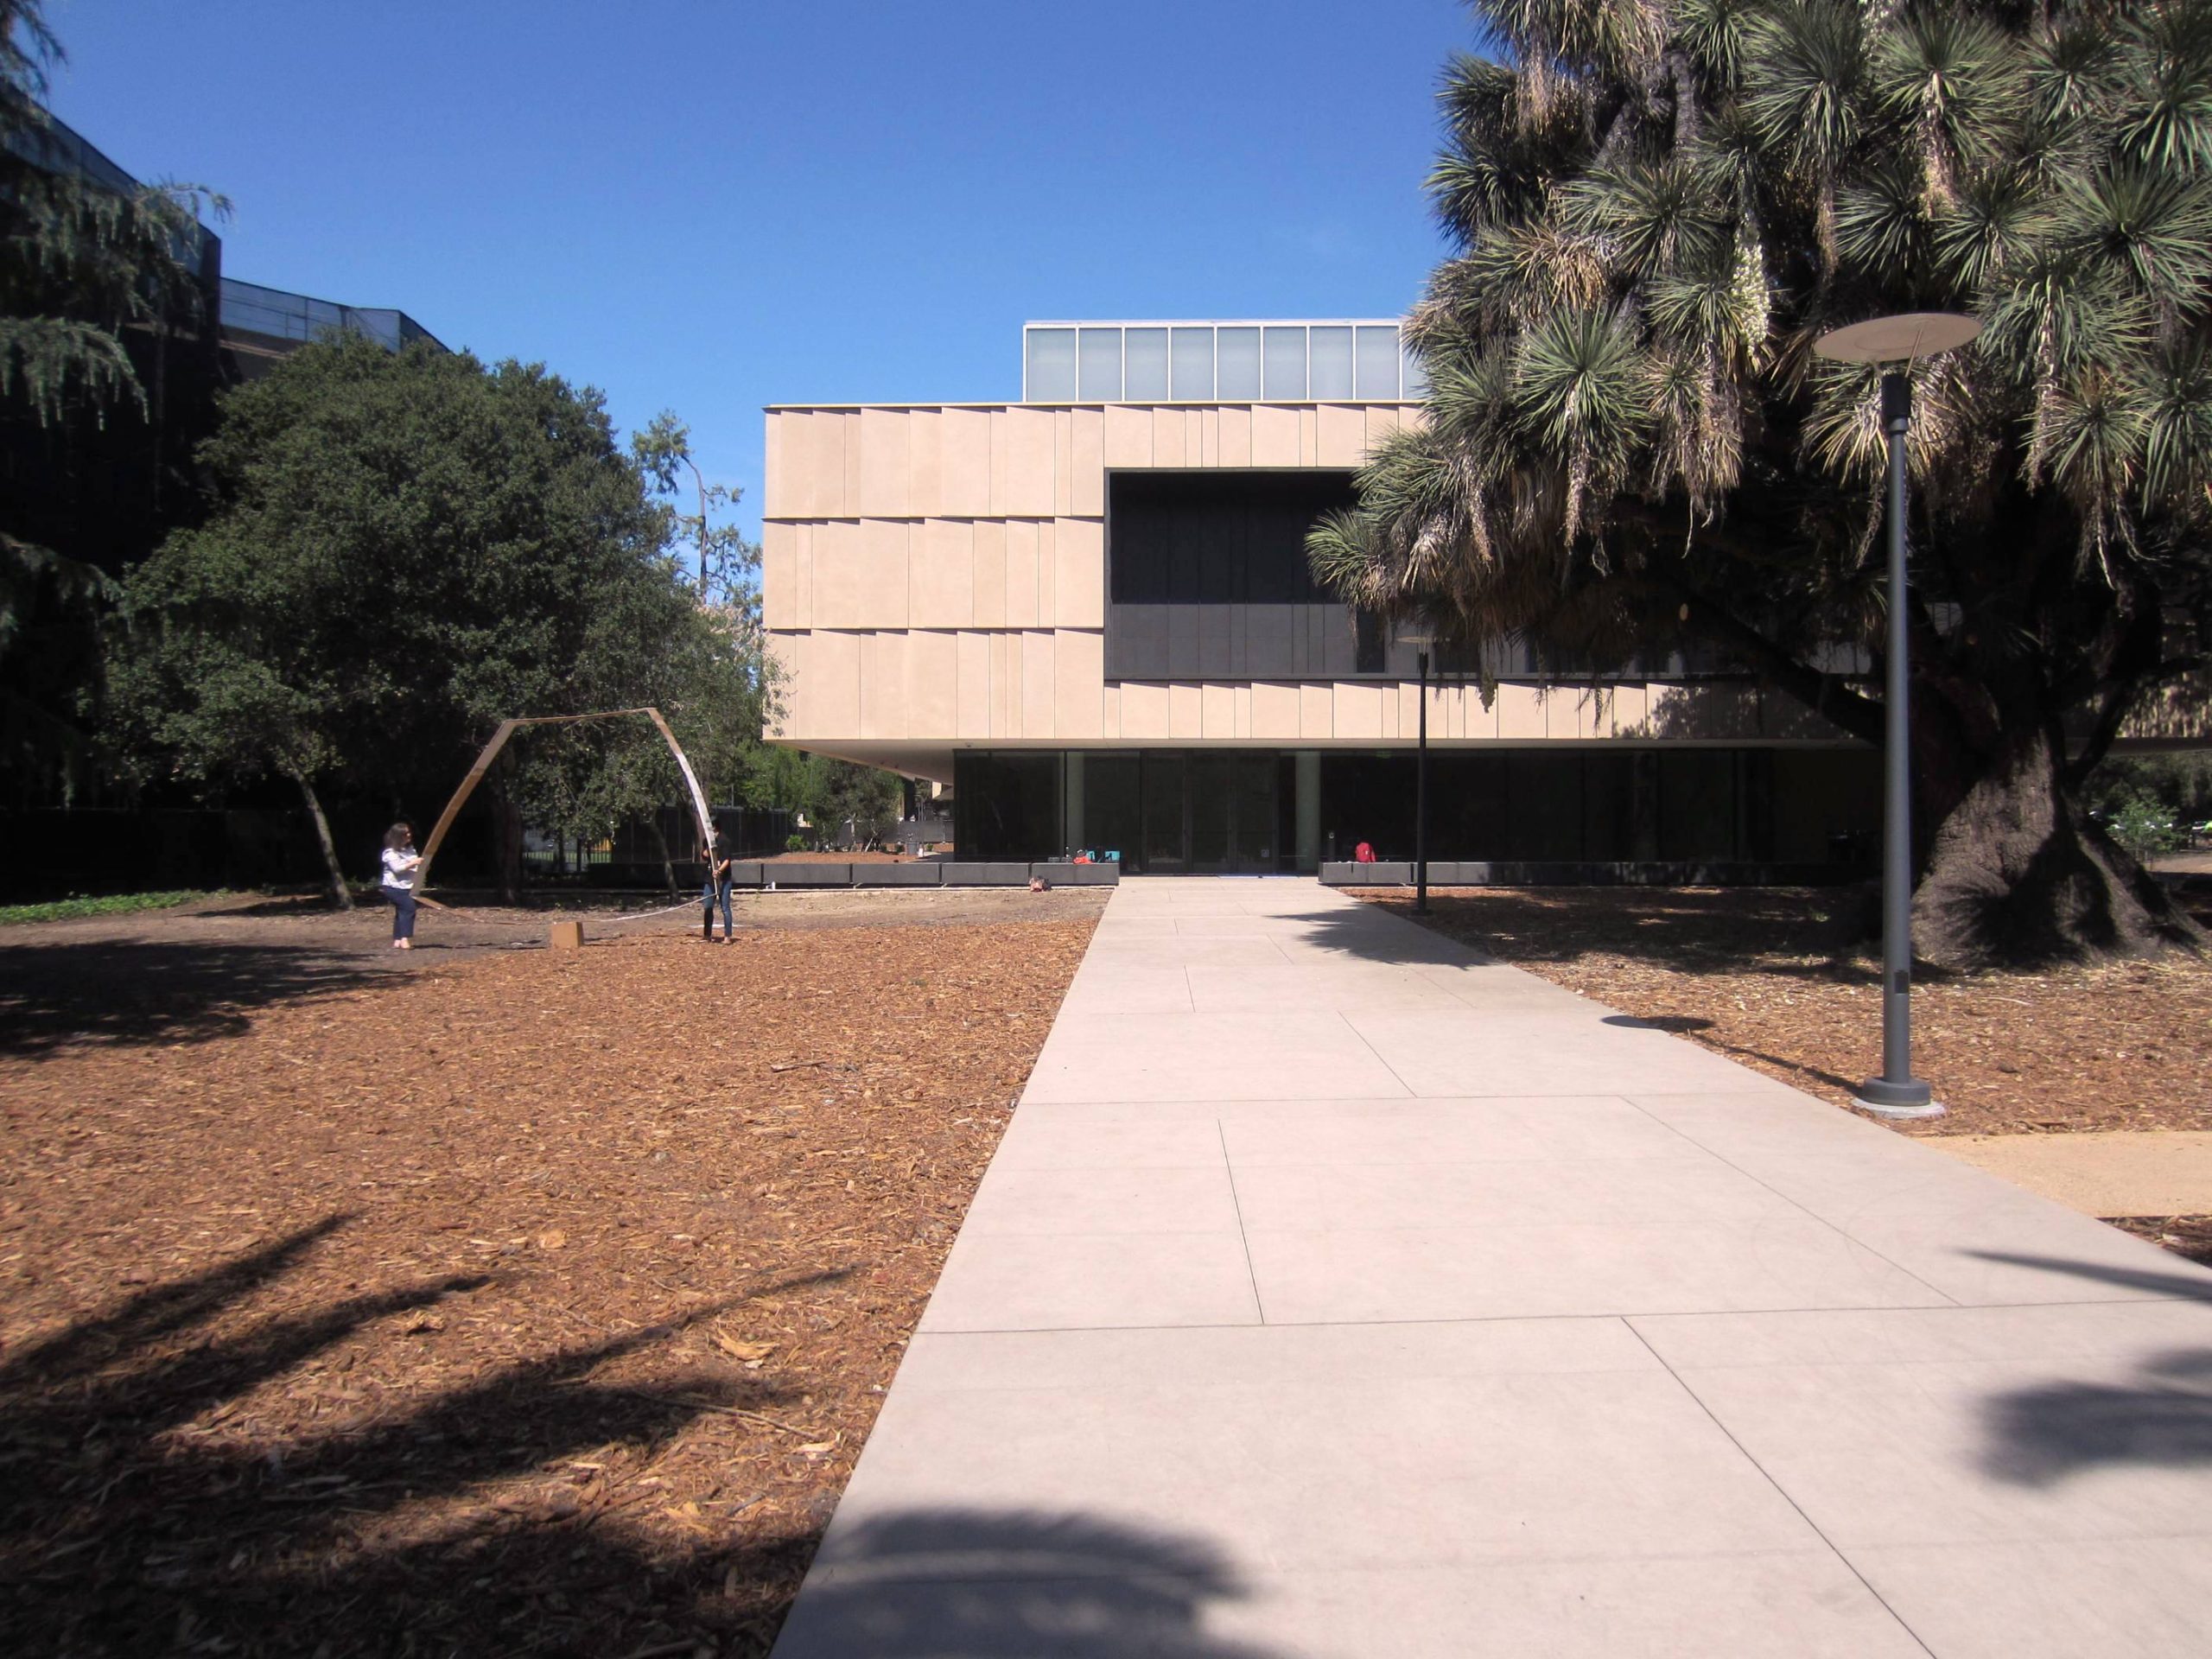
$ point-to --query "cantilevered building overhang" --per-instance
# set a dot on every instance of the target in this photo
(1090, 612)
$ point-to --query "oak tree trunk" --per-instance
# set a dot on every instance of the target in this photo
(506, 829)
(2016, 874)
(339, 893)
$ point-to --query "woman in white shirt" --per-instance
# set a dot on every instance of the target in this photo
(399, 884)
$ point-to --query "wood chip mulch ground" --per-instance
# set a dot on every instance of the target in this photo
(1780, 979)
(2188, 1235)
(527, 1301)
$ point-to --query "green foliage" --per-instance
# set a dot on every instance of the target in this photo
(79, 266)
(794, 843)
(2146, 789)
(406, 550)
(866, 796)
(2143, 825)
(1630, 446)
(121, 904)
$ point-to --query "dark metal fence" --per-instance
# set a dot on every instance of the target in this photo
(52, 854)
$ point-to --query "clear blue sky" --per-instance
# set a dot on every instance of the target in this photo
(709, 207)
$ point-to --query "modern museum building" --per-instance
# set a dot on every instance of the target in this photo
(1089, 613)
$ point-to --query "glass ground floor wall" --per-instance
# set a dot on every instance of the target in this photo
(1265, 811)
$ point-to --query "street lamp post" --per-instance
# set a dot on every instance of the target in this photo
(1892, 343)
(1420, 636)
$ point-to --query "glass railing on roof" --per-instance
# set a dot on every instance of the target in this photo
(285, 315)
(1347, 360)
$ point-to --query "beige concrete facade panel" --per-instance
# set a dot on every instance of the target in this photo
(1309, 443)
(1520, 713)
(1037, 686)
(1144, 711)
(1006, 684)
(1316, 713)
(990, 574)
(886, 464)
(775, 480)
(1275, 435)
(944, 577)
(964, 451)
(886, 565)
(1078, 675)
(849, 447)
(1063, 461)
(1235, 435)
(1209, 437)
(1186, 711)
(883, 685)
(1242, 693)
(1079, 575)
(932, 694)
(783, 653)
(1110, 707)
(829, 684)
(972, 717)
(778, 568)
(1274, 712)
(1340, 435)
(1168, 428)
(1359, 711)
(1128, 435)
(1021, 461)
(1217, 713)
(1021, 606)
(925, 463)
(1087, 489)
(1047, 572)
(836, 577)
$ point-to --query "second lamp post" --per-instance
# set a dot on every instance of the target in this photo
(1421, 636)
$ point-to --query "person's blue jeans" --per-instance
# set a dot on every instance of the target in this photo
(706, 898)
(403, 912)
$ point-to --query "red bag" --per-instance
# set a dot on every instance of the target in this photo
(1362, 854)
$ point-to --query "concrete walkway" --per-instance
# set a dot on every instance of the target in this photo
(1334, 1293)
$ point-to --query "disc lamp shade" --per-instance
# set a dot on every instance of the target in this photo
(1900, 338)
(1418, 631)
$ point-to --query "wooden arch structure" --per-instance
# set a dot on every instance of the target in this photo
(507, 729)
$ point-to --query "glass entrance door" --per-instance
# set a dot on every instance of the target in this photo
(1233, 813)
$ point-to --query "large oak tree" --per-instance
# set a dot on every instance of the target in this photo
(401, 550)
(1657, 207)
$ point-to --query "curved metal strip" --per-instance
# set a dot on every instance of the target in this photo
(508, 728)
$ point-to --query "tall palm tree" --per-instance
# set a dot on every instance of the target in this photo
(1658, 206)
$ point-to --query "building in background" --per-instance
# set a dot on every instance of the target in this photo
(1090, 612)
(105, 486)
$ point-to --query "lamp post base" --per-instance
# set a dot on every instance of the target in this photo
(1900, 1100)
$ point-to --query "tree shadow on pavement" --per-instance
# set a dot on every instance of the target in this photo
(968, 1581)
(2041, 1436)
(1786, 932)
(138, 992)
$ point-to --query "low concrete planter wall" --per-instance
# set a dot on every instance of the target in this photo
(1649, 873)
(809, 876)
(924, 873)
(1381, 873)
(921, 875)
(1079, 875)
